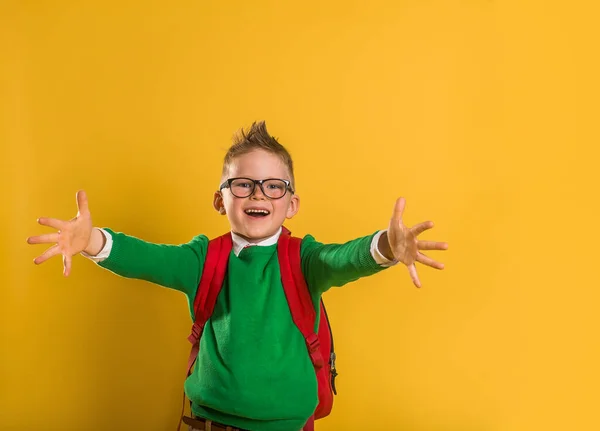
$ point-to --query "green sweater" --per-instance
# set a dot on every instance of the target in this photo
(253, 370)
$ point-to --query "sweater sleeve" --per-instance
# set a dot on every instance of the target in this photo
(177, 267)
(328, 265)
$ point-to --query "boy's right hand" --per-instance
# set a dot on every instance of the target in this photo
(73, 236)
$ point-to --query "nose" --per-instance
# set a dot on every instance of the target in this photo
(258, 193)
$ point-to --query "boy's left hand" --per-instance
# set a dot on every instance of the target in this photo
(402, 244)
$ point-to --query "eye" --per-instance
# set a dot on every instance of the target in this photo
(243, 184)
(275, 185)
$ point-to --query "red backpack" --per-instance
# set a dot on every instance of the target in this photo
(319, 346)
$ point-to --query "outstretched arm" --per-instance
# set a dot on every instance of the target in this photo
(174, 266)
(327, 265)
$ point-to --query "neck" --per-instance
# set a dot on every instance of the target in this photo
(256, 240)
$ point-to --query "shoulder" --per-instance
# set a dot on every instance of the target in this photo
(198, 241)
(309, 242)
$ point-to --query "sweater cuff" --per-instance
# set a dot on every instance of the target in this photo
(380, 259)
(105, 252)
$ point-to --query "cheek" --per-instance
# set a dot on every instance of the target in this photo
(231, 205)
(281, 208)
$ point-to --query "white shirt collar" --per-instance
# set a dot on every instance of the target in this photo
(240, 243)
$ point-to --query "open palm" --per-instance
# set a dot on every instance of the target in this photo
(405, 245)
(71, 238)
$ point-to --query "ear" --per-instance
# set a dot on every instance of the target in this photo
(293, 207)
(218, 203)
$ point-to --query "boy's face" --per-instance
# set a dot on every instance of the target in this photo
(256, 217)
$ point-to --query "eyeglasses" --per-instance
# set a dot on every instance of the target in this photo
(273, 188)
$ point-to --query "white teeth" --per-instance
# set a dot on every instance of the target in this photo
(256, 211)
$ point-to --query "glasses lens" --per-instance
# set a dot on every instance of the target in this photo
(274, 188)
(242, 187)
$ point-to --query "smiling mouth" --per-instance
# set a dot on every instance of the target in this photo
(256, 213)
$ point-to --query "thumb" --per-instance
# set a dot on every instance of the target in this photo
(67, 265)
(82, 203)
(398, 210)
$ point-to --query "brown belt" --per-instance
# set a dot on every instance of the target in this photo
(207, 425)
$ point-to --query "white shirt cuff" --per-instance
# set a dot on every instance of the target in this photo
(105, 252)
(380, 259)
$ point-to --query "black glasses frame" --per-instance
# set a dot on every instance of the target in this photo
(227, 185)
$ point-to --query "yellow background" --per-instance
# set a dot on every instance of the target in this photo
(483, 114)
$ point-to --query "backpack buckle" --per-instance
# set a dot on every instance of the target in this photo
(313, 344)
(196, 333)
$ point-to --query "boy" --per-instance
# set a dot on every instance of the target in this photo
(252, 371)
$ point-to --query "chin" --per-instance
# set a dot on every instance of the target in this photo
(259, 234)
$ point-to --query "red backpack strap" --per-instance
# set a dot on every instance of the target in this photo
(213, 275)
(211, 282)
(298, 295)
